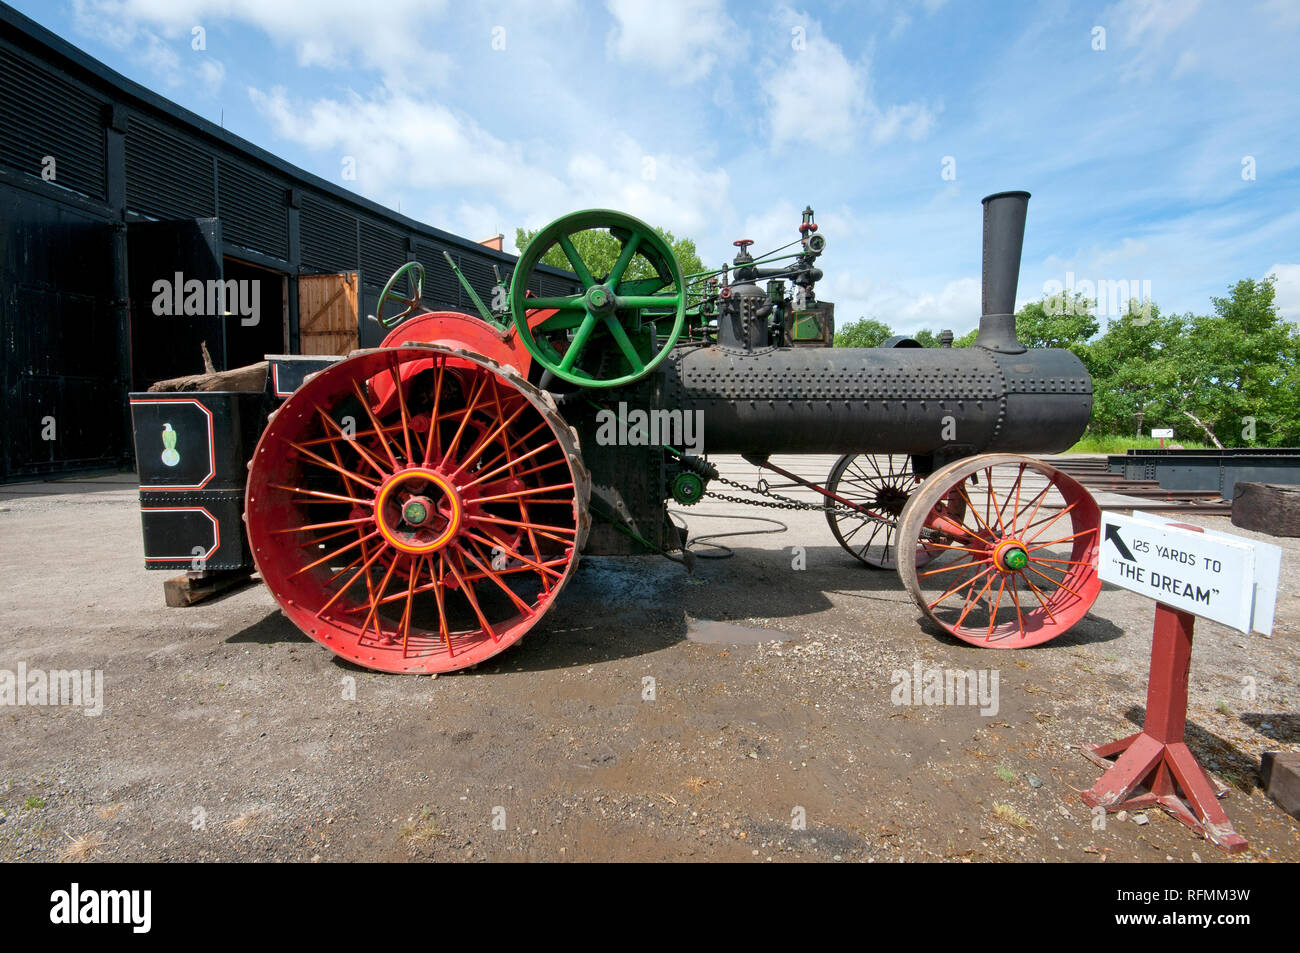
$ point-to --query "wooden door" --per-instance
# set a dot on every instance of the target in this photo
(327, 313)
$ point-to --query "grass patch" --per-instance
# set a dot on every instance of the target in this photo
(1118, 443)
(82, 848)
(422, 828)
(1005, 773)
(1008, 814)
(245, 821)
(33, 803)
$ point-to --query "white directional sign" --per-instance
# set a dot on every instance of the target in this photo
(1214, 575)
(1163, 433)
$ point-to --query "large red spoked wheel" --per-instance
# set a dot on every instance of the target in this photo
(1019, 547)
(416, 509)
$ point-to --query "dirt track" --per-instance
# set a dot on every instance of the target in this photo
(226, 734)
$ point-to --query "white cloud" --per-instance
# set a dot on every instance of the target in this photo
(1122, 255)
(670, 190)
(480, 220)
(401, 143)
(1288, 290)
(816, 94)
(1149, 21)
(160, 57)
(956, 304)
(1142, 27)
(906, 306)
(1186, 64)
(912, 121)
(333, 34)
(681, 39)
(1284, 13)
(212, 73)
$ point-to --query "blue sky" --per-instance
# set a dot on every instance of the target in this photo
(722, 120)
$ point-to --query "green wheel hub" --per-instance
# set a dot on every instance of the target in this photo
(415, 512)
(687, 488)
(623, 324)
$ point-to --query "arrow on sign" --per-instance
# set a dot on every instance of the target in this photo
(1112, 534)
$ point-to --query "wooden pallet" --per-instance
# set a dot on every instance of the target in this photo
(192, 587)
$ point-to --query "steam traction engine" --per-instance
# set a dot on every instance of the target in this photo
(418, 507)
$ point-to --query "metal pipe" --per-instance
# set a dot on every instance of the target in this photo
(1004, 236)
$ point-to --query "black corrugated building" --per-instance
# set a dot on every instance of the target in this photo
(106, 188)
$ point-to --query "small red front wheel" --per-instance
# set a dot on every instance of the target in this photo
(1015, 544)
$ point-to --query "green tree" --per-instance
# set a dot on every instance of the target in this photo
(864, 332)
(600, 249)
(1233, 374)
(1130, 369)
(1052, 323)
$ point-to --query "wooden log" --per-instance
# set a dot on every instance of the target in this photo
(1267, 508)
(1280, 778)
(191, 587)
(250, 378)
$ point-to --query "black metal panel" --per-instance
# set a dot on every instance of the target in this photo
(196, 440)
(370, 333)
(168, 345)
(383, 251)
(328, 235)
(441, 289)
(253, 209)
(62, 398)
(551, 286)
(44, 114)
(1219, 470)
(285, 372)
(192, 450)
(478, 272)
(195, 531)
(168, 175)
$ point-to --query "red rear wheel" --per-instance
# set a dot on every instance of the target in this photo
(416, 509)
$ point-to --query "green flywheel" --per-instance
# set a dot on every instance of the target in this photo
(623, 322)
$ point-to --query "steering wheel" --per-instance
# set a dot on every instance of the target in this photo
(415, 272)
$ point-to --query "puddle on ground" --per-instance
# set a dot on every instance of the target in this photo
(728, 633)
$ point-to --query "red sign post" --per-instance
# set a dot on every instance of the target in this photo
(1156, 758)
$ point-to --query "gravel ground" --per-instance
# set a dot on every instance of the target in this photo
(226, 734)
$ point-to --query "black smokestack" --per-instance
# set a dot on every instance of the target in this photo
(1004, 235)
